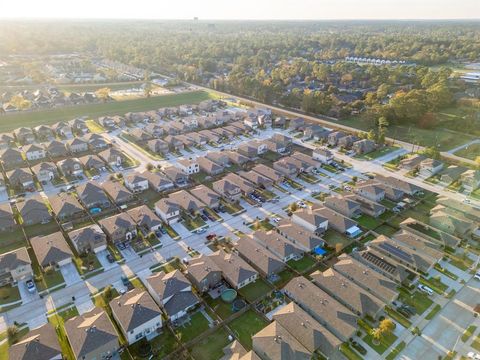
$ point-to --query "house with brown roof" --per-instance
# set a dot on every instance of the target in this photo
(345, 205)
(96, 142)
(39, 344)
(278, 245)
(71, 167)
(137, 315)
(208, 166)
(11, 158)
(299, 235)
(458, 226)
(370, 190)
(66, 206)
(119, 228)
(93, 162)
(218, 157)
(288, 166)
(206, 196)
(34, 211)
(234, 269)
(176, 175)
(51, 250)
(364, 146)
(418, 243)
(92, 335)
(323, 155)
(430, 232)
(45, 171)
(56, 149)
(261, 181)
(77, 145)
(24, 135)
(21, 178)
(402, 185)
(113, 156)
(7, 221)
(136, 182)
(228, 190)
(412, 162)
(368, 207)
(168, 210)
(275, 176)
(145, 218)
(311, 220)
(172, 292)
(266, 262)
(117, 192)
(158, 146)
(158, 181)
(15, 265)
(88, 239)
(307, 162)
(334, 137)
(338, 222)
(186, 202)
(139, 135)
(236, 158)
(245, 186)
(203, 273)
(174, 143)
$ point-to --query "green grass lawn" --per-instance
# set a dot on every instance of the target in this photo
(386, 341)
(386, 230)
(435, 284)
(378, 153)
(349, 353)
(58, 321)
(198, 325)
(193, 223)
(247, 325)
(255, 290)
(433, 312)
(232, 208)
(420, 301)
(12, 240)
(398, 317)
(285, 276)
(471, 152)
(467, 334)
(261, 225)
(427, 231)
(397, 350)
(220, 307)
(50, 116)
(476, 343)
(368, 221)
(41, 229)
(303, 264)
(9, 294)
(162, 345)
(333, 238)
(211, 347)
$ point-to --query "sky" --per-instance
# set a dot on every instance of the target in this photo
(243, 9)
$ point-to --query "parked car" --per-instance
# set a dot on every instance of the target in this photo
(110, 258)
(425, 289)
(211, 236)
(477, 276)
(31, 286)
(472, 355)
(125, 281)
(204, 218)
(301, 204)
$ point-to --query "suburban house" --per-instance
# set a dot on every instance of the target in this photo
(56, 149)
(77, 145)
(345, 205)
(139, 135)
(429, 167)
(203, 273)
(299, 235)
(155, 130)
(136, 182)
(405, 186)
(6, 140)
(137, 315)
(297, 123)
(51, 250)
(368, 207)
(323, 155)
(370, 190)
(7, 221)
(338, 222)
(228, 190)
(34, 211)
(322, 307)
(307, 162)
(93, 162)
(172, 292)
(71, 167)
(92, 196)
(113, 156)
(451, 174)
(334, 137)
(92, 335)
(249, 150)
(119, 228)
(364, 146)
(158, 146)
(96, 142)
(21, 178)
(176, 175)
(470, 180)
(266, 262)
(197, 138)
(352, 296)
(261, 181)
(63, 130)
(430, 232)
(40, 343)
(79, 126)
(145, 218)
(66, 206)
(316, 132)
(346, 142)
(218, 157)
(210, 135)
(265, 171)
(189, 166)
(168, 210)
(11, 158)
(206, 196)
(456, 225)
(44, 133)
(234, 269)
(418, 243)
(411, 162)
(208, 166)
(186, 202)
(88, 239)
(117, 192)
(237, 158)
(15, 265)
(288, 166)
(278, 245)
(174, 143)
(311, 220)
(45, 171)
(24, 135)
(34, 152)
(245, 186)
(157, 181)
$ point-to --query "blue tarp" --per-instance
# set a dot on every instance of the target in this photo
(319, 251)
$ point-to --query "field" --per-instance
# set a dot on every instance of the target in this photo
(470, 152)
(34, 118)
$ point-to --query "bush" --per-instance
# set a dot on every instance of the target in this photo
(12, 332)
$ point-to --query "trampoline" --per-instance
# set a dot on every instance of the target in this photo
(238, 305)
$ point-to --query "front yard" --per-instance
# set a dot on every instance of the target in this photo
(420, 301)
(9, 294)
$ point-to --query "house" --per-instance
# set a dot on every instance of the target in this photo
(34, 152)
(24, 135)
(117, 192)
(234, 269)
(79, 126)
(40, 343)
(265, 171)
(93, 162)
(56, 149)
(210, 135)
(92, 196)
(157, 181)
(364, 146)
(206, 195)
(402, 185)
(77, 145)
(307, 162)
(6, 140)
(51, 250)
(429, 167)
(208, 166)
(136, 182)
(168, 210)
(186, 202)
(88, 239)
(299, 235)
(346, 142)
(21, 178)
(376, 283)
(189, 166)
(154, 129)
(265, 261)
(63, 130)
(174, 143)
(71, 167)
(261, 181)
(235, 350)
(288, 166)
(297, 123)
(145, 218)
(222, 133)
(15, 265)
(274, 342)
(370, 190)
(334, 137)
(11, 158)
(66, 206)
(278, 245)
(338, 222)
(92, 336)
(245, 186)
(316, 132)
(228, 190)
(418, 243)
(470, 180)
(203, 273)
(323, 155)
(197, 138)
(431, 233)
(7, 221)
(158, 146)
(248, 150)
(322, 307)
(412, 162)
(96, 142)
(236, 158)
(119, 228)
(113, 156)
(452, 174)
(176, 175)
(456, 225)
(368, 207)
(219, 158)
(172, 292)
(139, 135)
(45, 171)
(34, 211)
(137, 315)
(345, 205)
(311, 220)
(234, 130)
(251, 122)
(352, 296)
(306, 330)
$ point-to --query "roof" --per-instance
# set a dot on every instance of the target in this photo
(167, 285)
(259, 256)
(234, 268)
(91, 192)
(134, 308)
(275, 342)
(378, 284)
(309, 332)
(157, 179)
(325, 309)
(269, 172)
(276, 243)
(51, 249)
(114, 223)
(245, 185)
(208, 165)
(201, 266)
(180, 302)
(13, 259)
(44, 166)
(167, 206)
(143, 216)
(383, 265)
(89, 331)
(205, 195)
(65, 203)
(6, 215)
(298, 234)
(186, 201)
(20, 174)
(92, 233)
(343, 204)
(338, 221)
(135, 177)
(418, 243)
(116, 190)
(256, 178)
(32, 207)
(39, 344)
(310, 216)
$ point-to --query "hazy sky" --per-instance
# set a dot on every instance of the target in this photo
(243, 9)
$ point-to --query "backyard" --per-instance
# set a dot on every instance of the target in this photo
(211, 347)
(247, 325)
(197, 325)
(255, 290)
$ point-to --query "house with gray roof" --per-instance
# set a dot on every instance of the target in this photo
(117, 192)
(136, 182)
(113, 156)
(21, 178)
(119, 228)
(256, 178)
(338, 222)
(278, 245)
(203, 273)
(45, 171)
(11, 158)
(369, 189)
(299, 235)
(234, 269)
(311, 220)
(88, 239)
(208, 166)
(93, 162)
(39, 344)
(7, 221)
(34, 152)
(187, 202)
(345, 205)
(158, 146)
(56, 149)
(92, 195)
(266, 262)
(229, 191)
(237, 158)
(266, 171)
(158, 181)
(176, 175)
(145, 218)
(15, 265)
(168, 210)
(245, 186)
(71, 167)
(34, 211)
(206, 196)
(66, 206)
(51, 250)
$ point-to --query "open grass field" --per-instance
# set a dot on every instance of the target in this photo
(34, 118)
(470, 152)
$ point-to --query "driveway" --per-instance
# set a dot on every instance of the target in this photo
(70, 274)
(102, 258)
(24, 294)
(128, 253)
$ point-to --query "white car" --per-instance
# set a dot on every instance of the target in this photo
(425, 289)
(95, 177)
(301, 204)
(477, 276)
(31, 286)
(472, 355)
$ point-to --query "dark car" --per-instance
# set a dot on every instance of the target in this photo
(110, 258)
(125, 281)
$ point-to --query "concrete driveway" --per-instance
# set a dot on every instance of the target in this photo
(24, 294)
(70, 274)
(102, 258)
(128, 253)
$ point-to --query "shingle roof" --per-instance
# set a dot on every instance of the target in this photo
(205, 195)
(298, 234)
(120, 221)
(276, 243)
(166, 285)
(199, 267)
(13, 259)
(65, 203)
(51, 249)
(39, 344)
(143, 216)
(235, 269)
(260, 257)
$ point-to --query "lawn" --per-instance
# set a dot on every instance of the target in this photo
(398, 317)
(50, 116)
(255, 290)
(397, 350)
(386, 230)
(211, 347)
(12, 240)
(198, 324)
(420, 301)
(476, 343)
(378, 153)
(41, 229)
(247, 325)
(368, 221)
(435, 284)
(427, 231)
(57, 322)
(94, 127)
(433, 312)
(467, 334)
(9, 294)
(284, 277)
(349, 353)
(470, 152)
(162, 345)
(220, 307)
(385, 342)
(303, 264)
(232, 209)
(193, 223)
(44, 280)
(261, 225)
(333, 238)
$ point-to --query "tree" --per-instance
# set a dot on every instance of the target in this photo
(12, 332)
(377, 335)
(387, 326)
(108, 293)
(431, 152)
(372, 135)
(103, 94)
(477, 161)
(293, 207)
(149, 166)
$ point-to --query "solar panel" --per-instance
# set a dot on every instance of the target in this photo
(396, 251)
